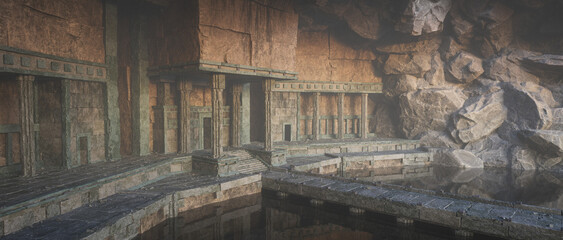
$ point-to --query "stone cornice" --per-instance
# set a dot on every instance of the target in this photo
(329, 87)
(203, 66)
(20, 61)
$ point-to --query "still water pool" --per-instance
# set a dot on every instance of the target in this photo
(264, 216)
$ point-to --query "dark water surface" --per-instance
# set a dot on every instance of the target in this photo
(538, 188)
(264, 216)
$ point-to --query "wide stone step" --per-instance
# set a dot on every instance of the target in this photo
(130, 213)
(47, 196)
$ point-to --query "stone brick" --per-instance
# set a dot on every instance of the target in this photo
(73, 202)
(53, 209)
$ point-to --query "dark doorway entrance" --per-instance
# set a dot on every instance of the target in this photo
(287, 132)
(207, 133)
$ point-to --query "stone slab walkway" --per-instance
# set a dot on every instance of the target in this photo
(129, 213)
(490, 219)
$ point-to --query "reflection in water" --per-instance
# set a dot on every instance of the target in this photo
(540, 188)
(266, 217)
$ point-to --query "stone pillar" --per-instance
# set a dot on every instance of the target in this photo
(268, 141)
(139, 84)
(65, 112)
(217, 86)
(185, 88)
(341, 126)
(316, 127)
(27, 121)
(364, 119)
(245, 119)
(165, 113)
(112, 123)
(235, 115)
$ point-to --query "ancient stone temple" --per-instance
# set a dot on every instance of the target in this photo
(139, 112)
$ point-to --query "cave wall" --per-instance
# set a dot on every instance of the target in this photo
(66, 28)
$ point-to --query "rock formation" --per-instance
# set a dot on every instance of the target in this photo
(484, 76)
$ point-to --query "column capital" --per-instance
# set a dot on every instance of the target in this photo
(237, 88)
(218, 81)
(185, 86)
(267, 84)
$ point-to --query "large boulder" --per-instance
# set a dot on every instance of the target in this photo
(478, 119)
(412, 64)
(523, 158)
(435, 139)
(401, 45)
(529, 105)
(428, 109)
(435, 76)
(549, 142)
(493, 150)
(506, 67)
(396, 85)
(548, 62)
(423, 16)
(464, 67)
(458, 158)
(557, 119)
(462, 29)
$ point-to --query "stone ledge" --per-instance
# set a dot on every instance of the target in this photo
(449, 212)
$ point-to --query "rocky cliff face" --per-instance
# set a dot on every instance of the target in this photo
(479, 78)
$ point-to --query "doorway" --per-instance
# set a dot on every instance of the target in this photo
(287, 132)
(207, 133)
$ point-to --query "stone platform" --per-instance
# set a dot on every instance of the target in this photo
(25, 201)
(342, 162)
(488, 218)
(133, 212)
(318, 147)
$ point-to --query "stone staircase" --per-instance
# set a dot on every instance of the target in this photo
(247, 163)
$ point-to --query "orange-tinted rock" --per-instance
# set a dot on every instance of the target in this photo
(67, 28)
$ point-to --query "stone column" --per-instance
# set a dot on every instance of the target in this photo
(268, 141)
(316, 127)
(112, 123)
(245, 119)
(139, 84)
(217, 86)
(27, 121)
(65, 112)
(341, 127)
(364, 119)
(185, 136)
(164, 113)
(235, 114)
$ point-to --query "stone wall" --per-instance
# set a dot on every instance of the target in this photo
(49, 113)
(9, 104)
(87, 122)
(332, 55)
(179, 20)
(66, 28)
(284, 111)
(254, 33)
